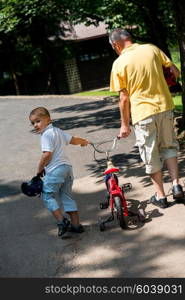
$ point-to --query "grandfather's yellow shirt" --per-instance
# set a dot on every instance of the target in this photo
(139, 70)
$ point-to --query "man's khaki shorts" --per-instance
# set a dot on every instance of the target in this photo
(156, 140)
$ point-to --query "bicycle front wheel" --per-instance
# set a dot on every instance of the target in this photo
(119, 211)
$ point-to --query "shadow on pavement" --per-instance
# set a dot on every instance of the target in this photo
(31, 247)
(131, 165)
(115, 252)
(9, 189)
(83, 106)
(28, 233)
(106, 118)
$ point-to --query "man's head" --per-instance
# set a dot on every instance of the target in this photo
(119, 39)
(40, 118)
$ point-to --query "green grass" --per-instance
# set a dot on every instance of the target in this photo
(99, 93)
(176, 57)
(105, 93)
(178, 103)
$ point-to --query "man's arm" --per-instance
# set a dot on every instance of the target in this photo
(124, 106)
(45, 159)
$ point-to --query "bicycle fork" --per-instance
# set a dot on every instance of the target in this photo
(115, 191)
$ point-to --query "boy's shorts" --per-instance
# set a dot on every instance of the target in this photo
(156, 140)
(57, 189)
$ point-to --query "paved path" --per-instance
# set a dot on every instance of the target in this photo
(28, 236)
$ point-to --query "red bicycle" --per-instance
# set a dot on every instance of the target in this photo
(115, 194)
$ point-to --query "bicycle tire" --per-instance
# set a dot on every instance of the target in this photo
(119, 211)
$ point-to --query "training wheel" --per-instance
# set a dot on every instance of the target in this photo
(141, 215)
(102, 227)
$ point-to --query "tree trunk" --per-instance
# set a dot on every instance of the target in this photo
(155, 28)
(16, 83)
(179, 7)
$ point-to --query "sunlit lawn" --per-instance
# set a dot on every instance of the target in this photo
(178, 102)
(105, 93)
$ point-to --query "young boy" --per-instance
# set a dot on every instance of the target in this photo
(58, 179)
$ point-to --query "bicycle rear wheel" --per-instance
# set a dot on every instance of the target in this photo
(119, 211)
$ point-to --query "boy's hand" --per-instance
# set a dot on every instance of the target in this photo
(41, 174)
(84, 143)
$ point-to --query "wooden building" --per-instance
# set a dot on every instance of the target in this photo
(91, 65)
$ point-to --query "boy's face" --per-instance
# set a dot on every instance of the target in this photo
(39, 122)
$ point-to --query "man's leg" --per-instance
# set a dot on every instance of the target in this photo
(159, 198)
(168, 151)
(172, 167)
(158, 184)
(177, 189)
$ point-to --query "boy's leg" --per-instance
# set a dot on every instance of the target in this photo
(75, 224)
(58, 215)
(49, 195)
(74, 216)
(69, 203)
(65, 194)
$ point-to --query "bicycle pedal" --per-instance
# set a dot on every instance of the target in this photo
(126, 187)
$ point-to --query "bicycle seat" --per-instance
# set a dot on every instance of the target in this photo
(111, 170)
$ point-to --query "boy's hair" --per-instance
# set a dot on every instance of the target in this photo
(40, 111)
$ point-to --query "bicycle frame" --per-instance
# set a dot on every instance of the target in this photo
(116, 198)
(115, 190)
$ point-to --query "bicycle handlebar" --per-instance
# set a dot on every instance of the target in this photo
(107, 141)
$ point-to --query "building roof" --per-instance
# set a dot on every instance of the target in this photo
(81, 32)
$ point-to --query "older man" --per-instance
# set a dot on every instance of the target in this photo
(137, 74)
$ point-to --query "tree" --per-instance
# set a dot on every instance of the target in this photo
(160, 22)
(26, 27)
(149, 21)
(179, 8)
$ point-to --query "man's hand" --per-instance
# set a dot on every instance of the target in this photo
(124, 131)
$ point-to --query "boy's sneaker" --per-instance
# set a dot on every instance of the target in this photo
(162, 202)
(178, 194)
(77, 229)
(63, 227)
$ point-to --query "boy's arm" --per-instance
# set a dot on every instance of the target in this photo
(45, 159)
(79, 141)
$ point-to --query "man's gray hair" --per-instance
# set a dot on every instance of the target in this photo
(118, 34)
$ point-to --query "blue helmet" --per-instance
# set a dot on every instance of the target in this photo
(33, 187)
